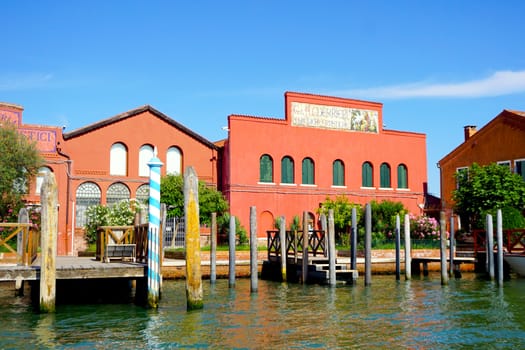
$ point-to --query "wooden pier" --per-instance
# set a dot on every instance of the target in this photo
(69, 267)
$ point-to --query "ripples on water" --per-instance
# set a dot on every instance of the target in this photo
(417, 314)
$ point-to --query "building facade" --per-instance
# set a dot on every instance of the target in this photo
(324, 147)
(106, 162)
(501, 141)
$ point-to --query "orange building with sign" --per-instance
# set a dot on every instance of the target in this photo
(324, 147)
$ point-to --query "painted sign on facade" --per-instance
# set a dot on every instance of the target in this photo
(46, 140)
(10, 117)
(334, 117)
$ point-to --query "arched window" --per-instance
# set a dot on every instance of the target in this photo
(116, 193)
(265, 168)
(384, 176)
(145, 155)
(142, 194)
(40, 178)
(338, 173)
(88, 194)
(367, 172)
(118, 159)
(402, 176)
(173, 161)
(308, 172)
(287, 174)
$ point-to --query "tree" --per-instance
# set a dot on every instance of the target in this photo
(342, 213)
(485, 188)
(210, 200)
(19, 163)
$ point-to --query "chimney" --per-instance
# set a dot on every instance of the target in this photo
(469, 131)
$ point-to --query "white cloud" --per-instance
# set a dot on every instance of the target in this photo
(499, 83)
(11, 82)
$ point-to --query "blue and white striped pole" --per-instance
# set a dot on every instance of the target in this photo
(153, 231)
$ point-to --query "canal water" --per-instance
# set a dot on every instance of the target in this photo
(419, 314)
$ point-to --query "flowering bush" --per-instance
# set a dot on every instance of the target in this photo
(423, 227)
(119, 214)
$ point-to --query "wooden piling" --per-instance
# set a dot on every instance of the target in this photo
(253, 250)
(490, 246)
(213, 248)
(368, 245)
(398, 248)
(499, 235)
(21, 245)
(231, 259)
(49, 234)
(324, 228)
(282, 239)
(443, 247)
(305, 249)
(353, 241)
(331, 248)
(408, 253)
(452, 247)
(193, 251)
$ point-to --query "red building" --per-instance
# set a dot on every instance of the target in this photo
(324, 147)
(106, 162)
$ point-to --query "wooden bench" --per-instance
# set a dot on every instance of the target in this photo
(120, 251)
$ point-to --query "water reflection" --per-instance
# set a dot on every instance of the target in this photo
(419, 313)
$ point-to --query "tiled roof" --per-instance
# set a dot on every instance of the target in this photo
(132, 113)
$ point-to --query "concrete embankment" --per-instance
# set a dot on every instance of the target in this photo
(383, 262)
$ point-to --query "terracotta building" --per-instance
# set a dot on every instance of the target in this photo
(501, 141)
(105, 162)
(324, 147)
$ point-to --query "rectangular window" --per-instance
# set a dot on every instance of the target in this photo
(462, 173)
(505, 163)
(520, 167)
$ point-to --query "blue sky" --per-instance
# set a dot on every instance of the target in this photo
(435, 65)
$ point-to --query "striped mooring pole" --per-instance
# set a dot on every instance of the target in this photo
(153, 231)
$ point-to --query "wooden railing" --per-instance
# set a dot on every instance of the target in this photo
(29, 239)
(513, 240)
(123, 235)
(294, 243)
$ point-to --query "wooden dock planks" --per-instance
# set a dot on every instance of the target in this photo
(76, 268)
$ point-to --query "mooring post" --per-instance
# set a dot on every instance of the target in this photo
(193, 240)
(231, 259)
(398, 248)
(324, 228)
(490, 247)
(331, 248)
(499, 233)
(305, 248)
(153, 232)
(253, 250)
(282, 239)
(22, 236)
(408, 253)
(213, 248)
(49, 233)
(443, 247)
(21, 246)
(368, 244)
(451, 249)
(353, 241)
